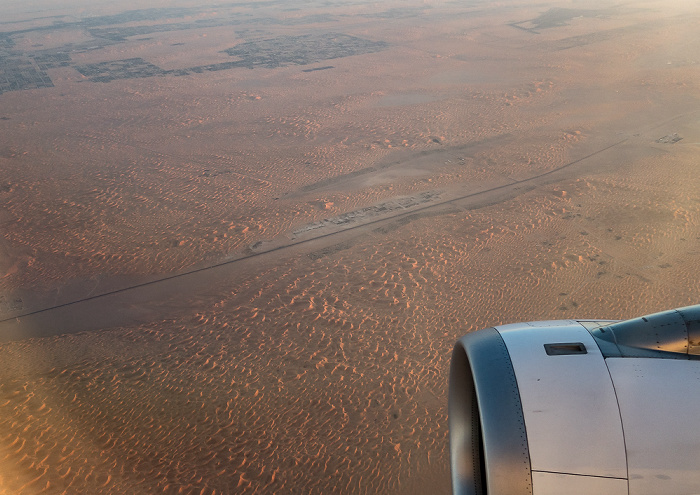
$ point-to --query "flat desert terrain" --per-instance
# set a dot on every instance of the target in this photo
(238, 241)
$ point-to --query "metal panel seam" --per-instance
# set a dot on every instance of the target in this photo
(622, 424)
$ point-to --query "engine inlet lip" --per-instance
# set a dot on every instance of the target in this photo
(489, 451)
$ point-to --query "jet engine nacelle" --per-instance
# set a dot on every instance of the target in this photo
(578, 407)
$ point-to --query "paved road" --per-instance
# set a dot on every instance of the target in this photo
(152, 300)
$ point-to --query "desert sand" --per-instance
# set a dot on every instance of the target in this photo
(238, 242)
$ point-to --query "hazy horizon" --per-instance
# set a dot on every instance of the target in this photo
(239, 240)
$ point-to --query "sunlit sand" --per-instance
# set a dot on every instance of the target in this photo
(393, 177)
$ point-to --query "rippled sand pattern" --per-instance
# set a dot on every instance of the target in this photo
(332, 377)
(321, 367)
(241, 403)
(304, 378)
(182, 171)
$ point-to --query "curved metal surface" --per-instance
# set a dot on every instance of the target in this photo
(572, 484)
(659, 403)
(488, 442)
(673, 334)
(691, 316)
(568, 400)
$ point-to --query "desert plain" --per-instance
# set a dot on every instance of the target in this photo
(238, 241)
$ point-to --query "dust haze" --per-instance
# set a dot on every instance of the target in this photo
(238, 241)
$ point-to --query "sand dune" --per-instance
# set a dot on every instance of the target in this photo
(321, 366)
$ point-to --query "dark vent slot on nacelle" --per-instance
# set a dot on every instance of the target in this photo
(565, 349)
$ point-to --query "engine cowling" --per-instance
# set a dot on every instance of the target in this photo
(578, 407)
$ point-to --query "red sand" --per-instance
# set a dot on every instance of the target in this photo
(322, 368)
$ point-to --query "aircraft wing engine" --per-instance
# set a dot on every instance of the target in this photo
(578, 407)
